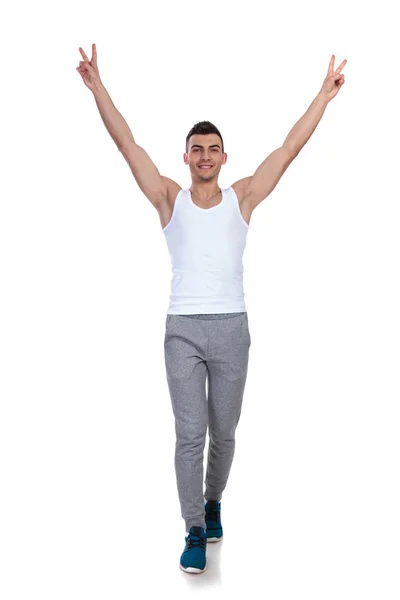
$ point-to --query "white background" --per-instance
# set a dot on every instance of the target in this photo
(89, 506)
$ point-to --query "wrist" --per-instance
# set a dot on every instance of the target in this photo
(323, 98)
(98, 87)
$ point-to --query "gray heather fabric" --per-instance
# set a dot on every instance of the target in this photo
(212, 347)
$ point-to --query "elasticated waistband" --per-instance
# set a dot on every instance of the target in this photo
(214, 316)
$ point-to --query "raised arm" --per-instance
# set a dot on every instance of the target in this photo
(147, 176)
(266, 177)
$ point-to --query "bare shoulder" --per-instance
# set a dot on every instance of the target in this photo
(171, 189)
(166, 206)
(240, 187)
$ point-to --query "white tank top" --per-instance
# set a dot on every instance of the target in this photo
(206, 248)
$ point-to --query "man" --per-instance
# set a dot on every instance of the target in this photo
(207, 335)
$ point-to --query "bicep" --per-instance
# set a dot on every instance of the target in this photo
(145, 172)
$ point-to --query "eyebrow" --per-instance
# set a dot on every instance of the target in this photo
(213, 146)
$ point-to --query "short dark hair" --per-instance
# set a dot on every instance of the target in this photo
(203, 128)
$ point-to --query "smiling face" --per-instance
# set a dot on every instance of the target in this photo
(205, 151)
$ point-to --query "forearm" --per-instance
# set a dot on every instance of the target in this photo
(115, 123)
(304, 128)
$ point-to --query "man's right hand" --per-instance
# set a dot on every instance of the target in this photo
(89, 70)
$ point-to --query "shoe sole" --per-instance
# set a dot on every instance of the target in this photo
(215, 539)
(192, 569)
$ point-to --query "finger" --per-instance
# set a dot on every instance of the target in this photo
(83, 54)
(84, 66)
(340, 67)
(94, 54)
(332, 62)
(335, 76)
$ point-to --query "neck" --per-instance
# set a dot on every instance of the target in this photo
(205, 191)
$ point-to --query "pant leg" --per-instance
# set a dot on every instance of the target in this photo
(185, 349)
(227, 362)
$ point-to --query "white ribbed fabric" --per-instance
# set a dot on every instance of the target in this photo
(206, 248)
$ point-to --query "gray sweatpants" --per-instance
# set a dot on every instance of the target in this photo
(212, 347)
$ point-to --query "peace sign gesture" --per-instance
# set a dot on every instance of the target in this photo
(334, 80)
(89, 70)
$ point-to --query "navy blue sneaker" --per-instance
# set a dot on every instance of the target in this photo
(193, 559)
(213, 521)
